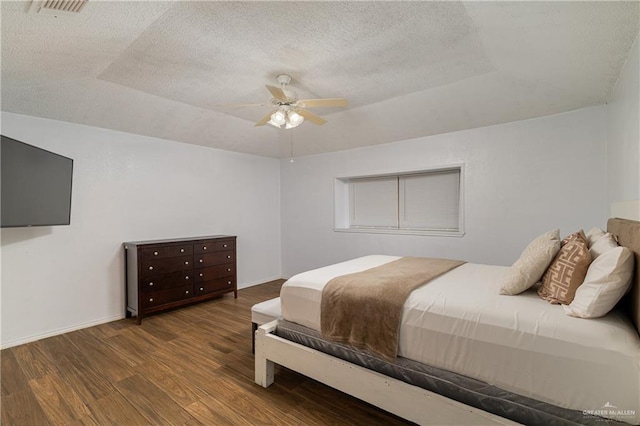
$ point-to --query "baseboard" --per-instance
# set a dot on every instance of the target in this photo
(58, 331)
(262, 281)
(33, 338)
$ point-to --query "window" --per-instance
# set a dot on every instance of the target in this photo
(425, 202)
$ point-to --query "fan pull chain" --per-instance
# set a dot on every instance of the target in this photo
(291, 155)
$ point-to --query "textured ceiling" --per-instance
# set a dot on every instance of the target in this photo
(170, 69)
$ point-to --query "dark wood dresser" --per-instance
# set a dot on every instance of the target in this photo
(164, 274)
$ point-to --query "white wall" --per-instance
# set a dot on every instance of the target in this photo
(521, 179)
(623, 140)
(128, 188)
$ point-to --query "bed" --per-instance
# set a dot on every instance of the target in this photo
(528, 356)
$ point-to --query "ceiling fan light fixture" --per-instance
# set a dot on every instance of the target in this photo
(274, 124)
(278, 118)
(294, 119)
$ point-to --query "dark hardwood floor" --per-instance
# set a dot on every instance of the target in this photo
(186, 367)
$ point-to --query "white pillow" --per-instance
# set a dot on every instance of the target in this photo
(594, 235)
(534, 260)
(603, 244)
(607, 280)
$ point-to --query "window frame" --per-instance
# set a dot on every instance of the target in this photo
(342, 204)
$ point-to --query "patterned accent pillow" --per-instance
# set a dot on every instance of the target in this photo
(567, 271)
(534, 260)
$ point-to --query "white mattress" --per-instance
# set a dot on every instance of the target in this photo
(523, 344)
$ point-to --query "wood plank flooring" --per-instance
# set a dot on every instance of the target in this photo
(191, 366)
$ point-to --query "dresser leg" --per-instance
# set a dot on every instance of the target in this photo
(235, 294)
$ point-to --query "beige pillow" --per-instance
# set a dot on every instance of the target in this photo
(536, 257)
(607, 280)
(567, 271)
(594, 235)
(602, 245)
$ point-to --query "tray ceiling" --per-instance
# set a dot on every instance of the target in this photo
(409, 69)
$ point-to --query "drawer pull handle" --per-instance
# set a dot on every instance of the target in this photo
(201, 274)
(229, 282)
(151, 300)
(155, 253)
(150, 284)
(186, 277)
(229, 257)
(151, 268)
(186, 263)
(228, 269)
(201, 260)
(204, 247)
(225, 246)
(181, 250)
(186, 292)
(201, 288)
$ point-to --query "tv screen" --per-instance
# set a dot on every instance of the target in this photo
(35, 186)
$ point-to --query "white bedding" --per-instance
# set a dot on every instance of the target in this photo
(523, 344)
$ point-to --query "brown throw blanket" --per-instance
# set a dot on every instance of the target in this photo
(364, 309)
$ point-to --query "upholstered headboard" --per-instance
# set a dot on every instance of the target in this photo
(628, 234)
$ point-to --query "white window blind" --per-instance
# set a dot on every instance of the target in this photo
(374, 202)
(430, 201)
(424, 201)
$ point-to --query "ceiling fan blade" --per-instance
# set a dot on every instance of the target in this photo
(318, 103)
(311, 116)
(277, 93)
(264, 120)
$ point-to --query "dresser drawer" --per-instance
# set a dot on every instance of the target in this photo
(225, 283)
(213, 245)
(166, 296)
(213, 272)
(212, 259)
(162, 266)
(162, 252)
(154, 283)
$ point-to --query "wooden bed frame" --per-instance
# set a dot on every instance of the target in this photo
(402, 399)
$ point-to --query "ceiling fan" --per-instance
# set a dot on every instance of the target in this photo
(290, 111)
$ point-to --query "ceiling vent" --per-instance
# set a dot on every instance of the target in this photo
(58, 7)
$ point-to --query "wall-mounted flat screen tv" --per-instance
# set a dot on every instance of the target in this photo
(35, 186)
